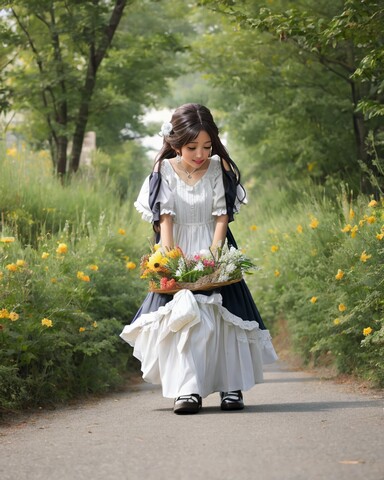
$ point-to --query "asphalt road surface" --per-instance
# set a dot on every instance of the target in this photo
(295, 426)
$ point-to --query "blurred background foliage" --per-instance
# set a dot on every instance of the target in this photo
(296, 88)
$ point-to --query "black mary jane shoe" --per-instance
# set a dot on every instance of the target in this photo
(232, 400)
(187, 404)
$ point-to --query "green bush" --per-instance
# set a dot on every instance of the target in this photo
(322, 269)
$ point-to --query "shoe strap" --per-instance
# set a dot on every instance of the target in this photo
(192, 398)
(233, 396)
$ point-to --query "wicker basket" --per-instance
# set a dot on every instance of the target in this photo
(200, 285)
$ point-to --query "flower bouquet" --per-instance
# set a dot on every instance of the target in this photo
(169, 270)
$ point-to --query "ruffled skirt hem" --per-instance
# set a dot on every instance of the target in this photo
(193, 344)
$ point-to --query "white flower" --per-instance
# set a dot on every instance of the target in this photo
(166, 129)
(199, 267)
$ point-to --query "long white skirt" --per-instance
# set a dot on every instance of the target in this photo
(195, 345)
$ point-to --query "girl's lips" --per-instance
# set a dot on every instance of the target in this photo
(199, 162)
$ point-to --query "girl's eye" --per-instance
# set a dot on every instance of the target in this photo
(207, 148)
(191, 148)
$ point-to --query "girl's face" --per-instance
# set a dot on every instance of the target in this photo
(196, 153)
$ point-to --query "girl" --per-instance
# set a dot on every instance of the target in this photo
(194, 344)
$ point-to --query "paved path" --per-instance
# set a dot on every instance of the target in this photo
(295, 427)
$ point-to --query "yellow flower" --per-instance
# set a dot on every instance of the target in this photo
(53, 280)
(380, 236)
(277, 273)
(253, 228)
(314, 252)
(94, 268)
(364, 257)
(13, 316)
(11, 152)
(313, 300)
(83, 277)
(274, 248)
(7, 239)
(371, 219)
(4, 313)
(81, 329)
(20, 263)
(174, 253)
(299, 229)
(46, 322)
(130, 265)
(94, 324)
(121, 231)
(354, 231)
(339, 275)
(314, 223)
(372, 203)
(156, 247)
(62, 248)
(347, 228)
(311, 166)
(44, 255)
(367, 331)
(336, 321)
(11, 267)
(351, 213)
(156, 261)
(342, 307)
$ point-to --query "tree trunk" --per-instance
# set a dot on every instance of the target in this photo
(62, 144)
(96, 56)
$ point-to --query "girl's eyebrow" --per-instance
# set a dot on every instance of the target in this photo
(208, 141)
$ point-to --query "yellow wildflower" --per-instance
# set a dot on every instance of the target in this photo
(347, 228)
(94, 324)
(4, 313)
(299, 229)
(314, 223)
(354, 231)
(44, 255)
(53, 280)
(371, 219)
(11, 267)
(46, 322)
(277, 273)
(313, 300)
(62, 248)
(339, 275)
(156, 247)
(94, 268)
(274, 248)
(11, 152)
(130, 265)
(13, 316)
(311, 166)
(351, 213)
(380, 236)
(20, 263)
(336, 321)
(156, 261)
(342, 307)
(81, 329)
(364, 257)
(372, 203)
(7, 239)
(121, 231)
(83, 277)
(253, 228)
(367, 331)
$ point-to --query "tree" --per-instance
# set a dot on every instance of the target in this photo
(344, 39)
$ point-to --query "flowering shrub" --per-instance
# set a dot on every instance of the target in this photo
(329, 285)
(171, 269)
